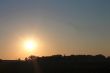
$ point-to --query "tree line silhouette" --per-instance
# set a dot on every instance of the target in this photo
(57, 64)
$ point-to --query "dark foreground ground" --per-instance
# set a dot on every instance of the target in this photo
(58, 64)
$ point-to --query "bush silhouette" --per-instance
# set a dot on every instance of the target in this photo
(57, 64)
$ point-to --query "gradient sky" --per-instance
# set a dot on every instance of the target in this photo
(60, 26)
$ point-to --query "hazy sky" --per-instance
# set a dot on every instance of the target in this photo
(60, 26)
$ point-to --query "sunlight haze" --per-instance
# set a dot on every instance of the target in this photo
(58, 27)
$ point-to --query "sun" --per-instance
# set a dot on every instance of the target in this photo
(30, 45)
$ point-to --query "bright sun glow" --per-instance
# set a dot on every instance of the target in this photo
(30, 45)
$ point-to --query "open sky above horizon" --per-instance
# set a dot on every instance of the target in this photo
(59, 26)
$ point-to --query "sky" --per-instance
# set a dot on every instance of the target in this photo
(59, 26)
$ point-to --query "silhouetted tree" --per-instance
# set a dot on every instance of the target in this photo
(58, 64)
